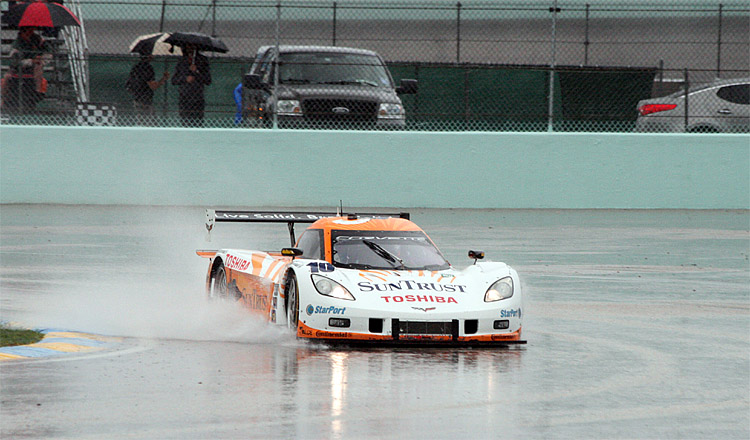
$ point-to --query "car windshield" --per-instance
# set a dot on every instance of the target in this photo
(333, 68)
(406, 250)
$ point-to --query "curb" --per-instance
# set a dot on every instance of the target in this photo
(56, 342)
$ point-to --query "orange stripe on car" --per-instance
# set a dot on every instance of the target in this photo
(374, 275)
(275, 269)
(372, 224)
(257, 262)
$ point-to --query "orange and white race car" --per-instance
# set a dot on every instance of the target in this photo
(366, 278)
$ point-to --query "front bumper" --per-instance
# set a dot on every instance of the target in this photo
(304, 122)
(413, 331)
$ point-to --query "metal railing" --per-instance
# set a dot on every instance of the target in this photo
(75, 41)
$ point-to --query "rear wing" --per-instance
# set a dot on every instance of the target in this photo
(288, 217)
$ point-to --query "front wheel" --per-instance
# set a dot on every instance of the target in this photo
(292, 302)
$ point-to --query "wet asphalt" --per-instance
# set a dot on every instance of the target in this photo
(638, 326)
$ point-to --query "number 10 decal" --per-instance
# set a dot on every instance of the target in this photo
(316, 267)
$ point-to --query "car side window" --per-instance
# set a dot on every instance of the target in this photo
(737, 94)
(311, 244)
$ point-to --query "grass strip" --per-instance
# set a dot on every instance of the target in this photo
(13, 336)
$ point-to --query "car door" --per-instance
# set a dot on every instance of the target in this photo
(256, 100)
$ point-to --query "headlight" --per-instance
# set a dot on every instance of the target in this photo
(391, 111)
(289, 107)
(501, 289)
(328, 287)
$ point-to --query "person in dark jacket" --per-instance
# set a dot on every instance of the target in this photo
(192, 74)
(141, 84)
(24, 81)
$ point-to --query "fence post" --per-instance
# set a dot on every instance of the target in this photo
(466, 98)
(718, 42)
(661, 72)
(213, 19)
(166, 84)
(416, 96)
(551, 100)
(687, 96)
(275, 97)
(586, 39)
(458, 32)
(163, 10)
(334, 22)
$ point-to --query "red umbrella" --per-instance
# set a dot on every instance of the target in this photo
(40, 14)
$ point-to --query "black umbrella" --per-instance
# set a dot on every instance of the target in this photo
(200, 41)
(154, 44)
(39, 14)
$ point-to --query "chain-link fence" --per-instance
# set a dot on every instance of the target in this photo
(606, 65)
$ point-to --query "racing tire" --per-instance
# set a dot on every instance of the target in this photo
(292, 303)
(218, 290)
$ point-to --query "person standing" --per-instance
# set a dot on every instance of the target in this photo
(238, 102)
(142, 84)
(192, 74)
(25, 81)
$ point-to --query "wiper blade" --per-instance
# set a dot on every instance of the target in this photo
(295, 81)
(352, 81)
(393, 259)
(353, 265)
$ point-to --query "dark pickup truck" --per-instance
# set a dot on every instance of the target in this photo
(322, 87)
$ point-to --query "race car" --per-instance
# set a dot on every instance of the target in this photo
(366, 278)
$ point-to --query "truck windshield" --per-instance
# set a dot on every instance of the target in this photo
(332, 68)
(404, 250)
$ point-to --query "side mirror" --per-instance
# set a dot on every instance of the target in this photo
(252, 81)
(291, 252)
(476, 255)
(407, 87)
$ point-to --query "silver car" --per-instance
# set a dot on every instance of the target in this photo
(722, 106)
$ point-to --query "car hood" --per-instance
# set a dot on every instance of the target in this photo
(338, 91)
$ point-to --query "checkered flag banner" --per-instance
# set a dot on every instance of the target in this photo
(96, 114)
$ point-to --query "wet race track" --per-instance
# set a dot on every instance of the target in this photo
(638, 326)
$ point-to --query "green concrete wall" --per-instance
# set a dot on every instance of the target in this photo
(239, 168)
